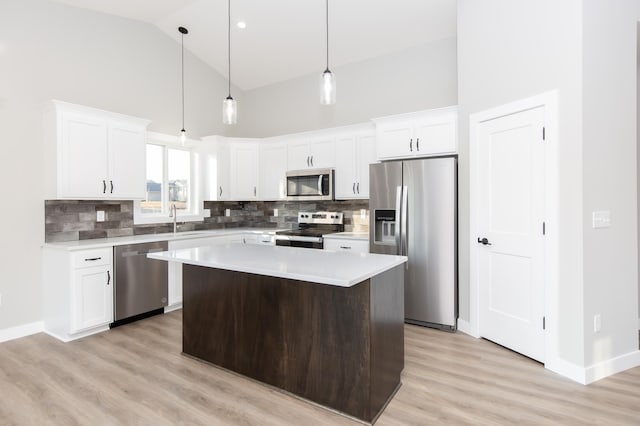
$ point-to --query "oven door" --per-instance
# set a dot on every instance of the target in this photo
(304, 242)
(310, 185)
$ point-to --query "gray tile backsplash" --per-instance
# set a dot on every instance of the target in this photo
(76, 220)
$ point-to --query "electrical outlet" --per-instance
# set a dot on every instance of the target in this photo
(597, 323)
(100, 216)
(206, 212)
(227, 212)
(275, 212)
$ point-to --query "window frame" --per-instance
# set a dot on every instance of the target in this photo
(195, 212)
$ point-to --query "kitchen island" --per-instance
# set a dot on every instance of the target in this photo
(325, 326)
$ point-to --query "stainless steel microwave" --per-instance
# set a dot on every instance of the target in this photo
(310, 184)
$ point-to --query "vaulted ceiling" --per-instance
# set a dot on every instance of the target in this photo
(285, 39)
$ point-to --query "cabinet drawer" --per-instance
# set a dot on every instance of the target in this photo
(357, 246)
(89, 258)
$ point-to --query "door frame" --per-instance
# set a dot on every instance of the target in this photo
(549, 101)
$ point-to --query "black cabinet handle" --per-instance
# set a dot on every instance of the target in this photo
(307, 161)
(354, 187)
(312, 161)
(108, 277)
(104, 186)
(221, 191)
(484, 241)
(91, 259)
(358, 187)
(111, 182)
(411, 144)
(345, 247)
(255, 191)
(418, 143)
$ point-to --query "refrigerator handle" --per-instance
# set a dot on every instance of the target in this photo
(405, 246)
(398, 213)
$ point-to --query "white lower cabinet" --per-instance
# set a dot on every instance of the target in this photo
(346, 244)
(78, 292)
(175, 269)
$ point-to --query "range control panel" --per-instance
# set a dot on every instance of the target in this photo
(329, 218)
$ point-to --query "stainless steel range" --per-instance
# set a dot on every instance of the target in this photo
(311, 227)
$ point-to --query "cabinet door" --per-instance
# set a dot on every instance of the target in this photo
(273, 167)
(244, 171)
(83, 166)
(346, 173)
(395, 140)
(91, 298)
(127, 178)
(365, 154)
(298, 155)
(223, 171)
(436, 134)
(322, 153)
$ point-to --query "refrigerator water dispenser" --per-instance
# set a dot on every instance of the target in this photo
(385, 227)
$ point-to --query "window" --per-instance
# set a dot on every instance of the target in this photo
(170, 181)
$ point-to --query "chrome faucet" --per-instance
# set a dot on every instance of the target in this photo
(174, 214)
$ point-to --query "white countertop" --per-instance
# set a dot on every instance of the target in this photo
(148, 238)
(318, 266)
(364, 236)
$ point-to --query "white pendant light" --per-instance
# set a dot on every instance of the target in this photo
(183, 132)
(328, 80)
(229, 107)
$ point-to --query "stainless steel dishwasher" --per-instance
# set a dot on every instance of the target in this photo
(140, 285)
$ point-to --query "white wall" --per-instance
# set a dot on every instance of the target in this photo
(419, 78)
(47, 51)
(609, 177)
(512, 50)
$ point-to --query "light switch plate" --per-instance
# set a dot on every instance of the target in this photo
(206, 212)
(100, 216)
(275, 212)
(601, 219)
(227, 212)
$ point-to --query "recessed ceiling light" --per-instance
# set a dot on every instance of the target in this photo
(242, 25)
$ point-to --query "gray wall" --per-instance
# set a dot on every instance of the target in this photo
(609, 176)
(48, 50)
(419, 78)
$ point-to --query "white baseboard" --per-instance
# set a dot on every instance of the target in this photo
(611, 366)
(465, 327)
(172, 308)
(597, 371)
(21, 331)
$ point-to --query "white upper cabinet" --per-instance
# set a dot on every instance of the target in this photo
(214, 156)
(244, 171)
(272, 170)
(317, 152)
(354, 152)
(418, 134)
(93, 154)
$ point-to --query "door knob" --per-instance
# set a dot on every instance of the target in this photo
(484, 241)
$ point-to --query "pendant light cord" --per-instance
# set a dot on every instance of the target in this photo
(229, 41)
(182, 80)
(327, 16)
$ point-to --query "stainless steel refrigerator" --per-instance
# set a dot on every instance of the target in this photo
(413, 213)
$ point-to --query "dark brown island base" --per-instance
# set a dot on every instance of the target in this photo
(338, 345)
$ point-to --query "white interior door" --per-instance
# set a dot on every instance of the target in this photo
(510, 217)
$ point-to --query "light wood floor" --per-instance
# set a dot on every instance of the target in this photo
(135, 375)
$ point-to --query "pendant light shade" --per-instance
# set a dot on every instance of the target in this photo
(229, 111)
(229, 106)
(183, 132)
(328, 79)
